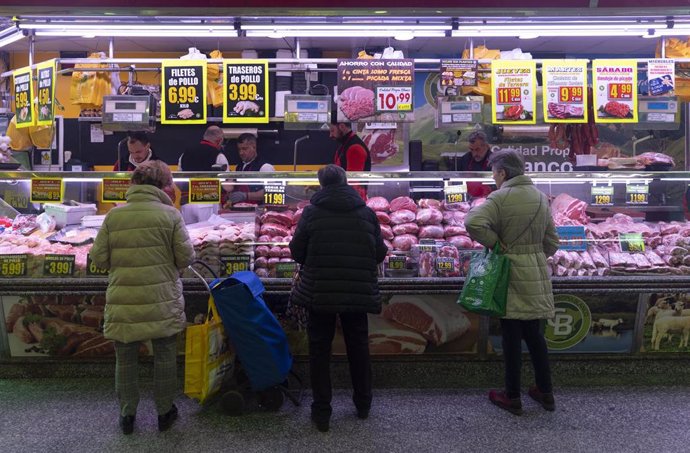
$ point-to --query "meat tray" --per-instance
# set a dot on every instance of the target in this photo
(74, 236)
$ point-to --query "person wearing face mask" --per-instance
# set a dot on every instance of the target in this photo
(250, 161)
(517, 217)
(477, 159)
(139, 148)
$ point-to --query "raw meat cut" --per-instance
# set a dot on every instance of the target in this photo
(427, 261)
(388, 337)
(381, 144)
(404, 242)
(570, 207)
(388, 244)
(431, 232)
(617, 109)
(282, 218)
(297, 216)
(378, 204)
(464, 207)
(429, 203)
(461, 242)
(403, 203)
(406, 228)
(383, 218)
(452, 230)
(655, 158)
(456, 218)
(563, 111)
(429, 216)
(274, 229)
(437, 320)
(387, 232)
(356, 102)
(402, 216)
(449, 252)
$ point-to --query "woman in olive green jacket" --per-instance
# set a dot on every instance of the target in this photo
(144, 244)
(517, 217)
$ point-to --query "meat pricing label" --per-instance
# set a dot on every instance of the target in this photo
(615, 91)
(565, 91)
(571, 238)
(13, 265)
(602, 195)
(397, 263)
(661, 76)
(445, 264)
(204, 190)
(58, 265)
(92, 270)
(274, 194)
(376, 90)
(184, 92)
(637, 194)
(513, 85)
(235, 263)
(631, 242)
(245, 84)
(46, 190)
(286, 270)
(115, 189)
(46, 93)
(456, 194)
(23, 97)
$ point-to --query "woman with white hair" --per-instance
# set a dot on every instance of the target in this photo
(517, 217)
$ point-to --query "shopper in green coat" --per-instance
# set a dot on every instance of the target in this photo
(517, 217)
(144, 244)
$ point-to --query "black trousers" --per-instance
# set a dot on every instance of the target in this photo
(321, 329)
(515, 330)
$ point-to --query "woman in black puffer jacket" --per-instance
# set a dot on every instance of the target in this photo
(339, 245)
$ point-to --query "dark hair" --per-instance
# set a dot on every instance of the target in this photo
(139, 136)
(509, 161)
(332, 175)
(246, 137)
(154, 173)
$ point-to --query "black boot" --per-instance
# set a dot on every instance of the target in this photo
(127, 423)
(166, 420)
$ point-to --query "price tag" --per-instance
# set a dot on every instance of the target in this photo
(245, 84)
(46, 93)
(274, 194)
(115, 189)
(661, 76)
(572, 238)
(235, 263)
(204, 190)
(23, 97)
(445, 264)
(637, 194)
(393, 99)
(13, 265)
(184, 92)
(615, 90)
(46, 190)
(92, 270)
(631, 242)
(58, 265)
(509, 96)
(565, 91)
(514, 86)
(397, 262)
(602, 195)
(286, 269)
(456, 194)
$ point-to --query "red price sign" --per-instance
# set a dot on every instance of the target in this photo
(393, 99)
(509, 95)
(570, 94)
(620, 90)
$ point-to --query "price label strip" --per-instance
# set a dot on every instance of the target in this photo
(47, 190)
(572, 238)
(235, 263)
(58, 265)
(445, 264)
(46, 93)
(602, 195)
(204, 191)
(13, 265)
(565, 91)
(397, 263)
(456, 194)
(92, 270)
(636, 194)
(245, 84)
(393, 99)
(115, 189)
(286, 270)
(274, 195)
(615, 91)
(184, 92)
(23, 97)
(631, 242)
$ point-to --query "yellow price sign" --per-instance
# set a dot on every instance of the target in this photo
(46, 190)
(242, 92)
(245, 91)
(397, 262)
(93, 270)
(58, 265)
(602, 195)
(637, 194)
(13, 265)
(182, 95)
(444, 264)
(631, 242)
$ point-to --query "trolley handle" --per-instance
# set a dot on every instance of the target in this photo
(191, 268)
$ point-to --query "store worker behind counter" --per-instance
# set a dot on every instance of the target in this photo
(476, 159)
(144, 244)
(249, 161)
(139, 148)
(352, 153)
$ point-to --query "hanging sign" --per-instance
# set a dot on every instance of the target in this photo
(23, 97)
(204, 190)
(565, 91)
(115, 189)
(46, 93)
(661, 76)
(13, 265)
(457, 73)
(245, 84)
(376, 90)
(46, 190)
(615, 91)
(513, 88)
(184, 92)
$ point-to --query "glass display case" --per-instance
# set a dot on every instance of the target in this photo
(622, 263)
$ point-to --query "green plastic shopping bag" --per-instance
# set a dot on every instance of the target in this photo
(486, 287)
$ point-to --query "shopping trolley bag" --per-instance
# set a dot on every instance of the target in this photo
(256, 336)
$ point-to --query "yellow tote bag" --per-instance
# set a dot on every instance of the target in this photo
(208, 357)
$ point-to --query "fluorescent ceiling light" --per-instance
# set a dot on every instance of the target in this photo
(137, 26)
(528, 36)
(368, 27)
(9, 39)
(200, 33)
(404, 36)
(371, 33)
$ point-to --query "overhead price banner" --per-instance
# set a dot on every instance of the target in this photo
(565, 91)
(457, 73)
(615, 91)
(661, 76)
(115, 189)
(184, 92)
(46, 93)
(204, 190)
(376, 90)
(513, 89)
(46, 190)
(245, 84)
(23, 97)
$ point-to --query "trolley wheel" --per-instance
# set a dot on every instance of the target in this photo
(232, 403)
(271, 399)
